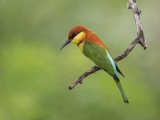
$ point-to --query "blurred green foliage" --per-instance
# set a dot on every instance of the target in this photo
(34, 75)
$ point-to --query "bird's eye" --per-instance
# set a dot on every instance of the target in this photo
(74, 34)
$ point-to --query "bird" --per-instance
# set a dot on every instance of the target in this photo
(94, 49)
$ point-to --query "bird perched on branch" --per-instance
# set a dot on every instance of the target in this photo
(92, 47)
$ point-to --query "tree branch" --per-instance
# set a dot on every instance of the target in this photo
(140, 35)
(79, 80)
(139, 39)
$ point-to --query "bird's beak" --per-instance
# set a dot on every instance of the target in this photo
(67, 42)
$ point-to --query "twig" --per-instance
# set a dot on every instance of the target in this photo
(79, 80)
(140, 35)
(139, 39)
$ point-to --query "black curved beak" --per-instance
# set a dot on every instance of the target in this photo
(67, 42)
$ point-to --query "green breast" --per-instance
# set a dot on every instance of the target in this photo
(98, 55)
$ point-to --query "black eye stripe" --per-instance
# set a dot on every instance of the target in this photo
(74, 34)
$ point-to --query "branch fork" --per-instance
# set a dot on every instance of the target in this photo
(140, 39)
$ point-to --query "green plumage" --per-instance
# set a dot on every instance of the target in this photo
(102, 58)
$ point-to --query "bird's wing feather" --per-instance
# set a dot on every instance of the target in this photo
(112, 62)
(100, 56)
(118, 70)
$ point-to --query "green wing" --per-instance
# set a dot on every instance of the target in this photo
(100, 56)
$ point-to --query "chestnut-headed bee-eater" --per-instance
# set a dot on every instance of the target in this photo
(92, 47)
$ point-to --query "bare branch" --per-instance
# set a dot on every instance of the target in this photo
(140, 35)
(132, 5)
(139, 39)
(80, 79)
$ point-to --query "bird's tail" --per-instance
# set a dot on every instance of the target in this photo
(121, 89)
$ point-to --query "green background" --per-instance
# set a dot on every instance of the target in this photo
(34, 74)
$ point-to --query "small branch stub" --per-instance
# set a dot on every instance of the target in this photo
(139, 39)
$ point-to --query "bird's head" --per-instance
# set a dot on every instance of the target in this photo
(76, 35)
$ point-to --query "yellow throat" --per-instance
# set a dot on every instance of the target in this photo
(79, 40)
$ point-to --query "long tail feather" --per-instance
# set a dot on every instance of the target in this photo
(121, 88)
